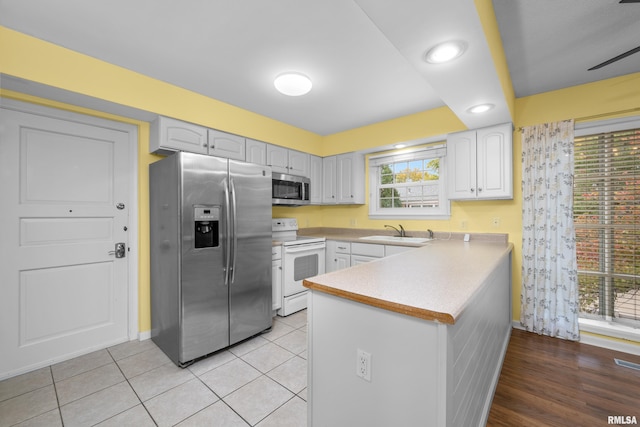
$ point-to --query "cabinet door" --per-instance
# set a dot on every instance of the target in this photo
(315, 176)
(350, 178)
(393, 249)
(368, 249)
(361, 259)
(298, 163)
(342, 261)
(278, 158)
(276, 283)
(226, 145)
(256, 151)
(168, 135)
(338, 255)
(461, 165)
(494, 162)
(329, 175)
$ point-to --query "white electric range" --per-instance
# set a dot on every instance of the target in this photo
(302, 257)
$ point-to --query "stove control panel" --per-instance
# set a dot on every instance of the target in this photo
(284, 224)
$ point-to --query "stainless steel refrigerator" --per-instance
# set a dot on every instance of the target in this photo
(210, 224)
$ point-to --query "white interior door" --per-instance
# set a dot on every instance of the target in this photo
(62, 291)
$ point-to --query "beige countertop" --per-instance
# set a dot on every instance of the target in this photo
(356, 234)
(434, 282)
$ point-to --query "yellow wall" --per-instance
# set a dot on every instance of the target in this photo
(42, 62)
(604, 99)
(36, 60)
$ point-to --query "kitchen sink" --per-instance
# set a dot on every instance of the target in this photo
(397, 239)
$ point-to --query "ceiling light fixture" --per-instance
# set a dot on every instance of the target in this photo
(293, 83)
(399, 146)
(481, 108)
(445, 52)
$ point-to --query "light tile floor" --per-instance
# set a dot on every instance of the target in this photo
(259, 382)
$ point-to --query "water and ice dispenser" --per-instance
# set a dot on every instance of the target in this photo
(206, 223)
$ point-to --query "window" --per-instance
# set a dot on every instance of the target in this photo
(409, 184)
(607, 221)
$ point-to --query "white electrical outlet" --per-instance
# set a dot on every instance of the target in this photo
(363, 365)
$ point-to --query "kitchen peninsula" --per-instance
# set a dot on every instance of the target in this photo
(432, 325)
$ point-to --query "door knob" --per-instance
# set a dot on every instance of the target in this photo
(119, 251)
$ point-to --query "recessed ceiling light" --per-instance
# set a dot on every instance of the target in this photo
(482, 108)
(399, 145)
(293, 84)
(445, 52)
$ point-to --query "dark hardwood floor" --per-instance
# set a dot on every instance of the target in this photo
(551, 382)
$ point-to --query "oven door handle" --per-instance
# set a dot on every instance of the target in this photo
(304, 248)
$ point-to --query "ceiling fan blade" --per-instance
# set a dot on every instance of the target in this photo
(617, 58)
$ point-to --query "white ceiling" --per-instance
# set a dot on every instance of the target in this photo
(550, 44)
(364, 56)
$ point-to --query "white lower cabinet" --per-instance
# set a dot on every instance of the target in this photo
(276, 277)
(338, 255)
(365, 252)
(341, 254)
(392, 249)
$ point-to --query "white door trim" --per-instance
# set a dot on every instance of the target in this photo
(132, 131)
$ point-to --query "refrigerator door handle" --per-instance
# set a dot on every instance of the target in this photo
(227, 252)
(235, 231)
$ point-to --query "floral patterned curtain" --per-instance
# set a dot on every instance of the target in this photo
(549, 299)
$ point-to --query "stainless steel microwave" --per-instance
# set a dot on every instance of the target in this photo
(289, 190)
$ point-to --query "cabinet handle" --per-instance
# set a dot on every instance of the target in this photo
(473, 190)
(212, 146)
(479, 190)
(205, 145)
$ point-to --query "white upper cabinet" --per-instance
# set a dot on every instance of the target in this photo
(256, 152)
(224, 144)
(169, 135)
(350, 180)
(343, 179)
(329, 177)
(298, 163)
(278, 158)
(287, 161)
(480, 164)
(315, 175)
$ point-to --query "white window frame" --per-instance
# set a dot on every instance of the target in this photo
(608, 326)
(443, 211)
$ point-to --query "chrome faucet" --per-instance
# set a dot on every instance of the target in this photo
(401, 232)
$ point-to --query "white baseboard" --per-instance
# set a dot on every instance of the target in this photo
(144, 335)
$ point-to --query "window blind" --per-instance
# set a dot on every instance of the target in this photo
(607, 221)
(422, 153)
